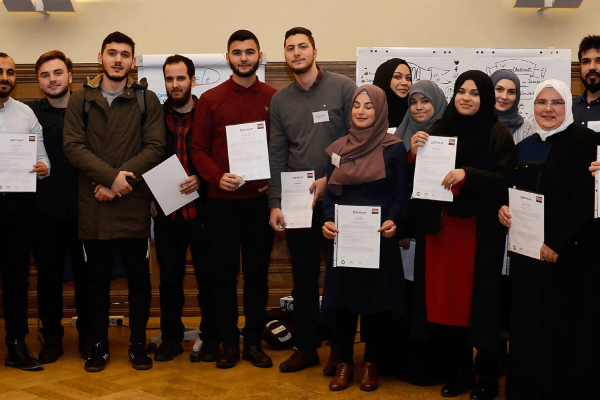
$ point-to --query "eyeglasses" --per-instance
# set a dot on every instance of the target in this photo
(544, 103)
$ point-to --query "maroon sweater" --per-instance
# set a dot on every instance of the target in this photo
(227, 104)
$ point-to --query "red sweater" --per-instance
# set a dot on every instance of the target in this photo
(227, 104)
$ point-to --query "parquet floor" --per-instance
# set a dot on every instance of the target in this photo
(180, 379)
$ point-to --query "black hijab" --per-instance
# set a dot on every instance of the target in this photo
(397, 106)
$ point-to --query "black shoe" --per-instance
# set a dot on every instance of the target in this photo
(230, 355)
(99, 356)
(85, 346)
(138, 355)
(257, 357)
(209, 353)
(18, 356)
(461, 383)
(486, 388)
(51, 350)
(167, 351)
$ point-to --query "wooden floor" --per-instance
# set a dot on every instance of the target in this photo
(180, 379)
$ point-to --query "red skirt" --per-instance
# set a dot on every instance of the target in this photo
(449, 269)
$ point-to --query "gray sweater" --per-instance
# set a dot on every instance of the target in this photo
(297, 143)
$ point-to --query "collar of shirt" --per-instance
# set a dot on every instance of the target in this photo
(320, 76)
(583, 98)
(239, 88)
(46, 103)
(7, 104)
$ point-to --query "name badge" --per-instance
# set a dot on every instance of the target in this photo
(335, 159)
(320, 116)
(391, 130)
(594, 125)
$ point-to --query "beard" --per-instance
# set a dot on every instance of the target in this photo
(5, 93)
(247, 74)
(181, 101)
(115, 78)
(591, 87)
(303, 70)
(57, 95)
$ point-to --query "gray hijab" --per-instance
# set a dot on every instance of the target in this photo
(409, 126)
(511, 118)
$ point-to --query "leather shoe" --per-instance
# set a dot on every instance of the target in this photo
(332, 363)
(461, 383)
(300, 360)
(369, 381)
(167, 351)
(209, 353)
(257, 357)
(229, 357)
(18, 356)
(343, 376)
(51, 350)
(486, 388)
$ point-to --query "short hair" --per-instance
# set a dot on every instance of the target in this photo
(587, 43)
(53, 55)
(4, 55)
(300, 31)
(176, 59)
(240, 36)
(118, 37)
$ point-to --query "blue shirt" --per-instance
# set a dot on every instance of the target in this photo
(584, 112)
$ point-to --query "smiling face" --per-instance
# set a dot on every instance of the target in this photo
(549, 109)
(506, 94)
(299, 54)
(8, 76)
(54, 78)
(467, 100)
(401, 81)
(421, 108)
(363, 111)
(117, 60)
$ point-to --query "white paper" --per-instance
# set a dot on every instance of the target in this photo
(597, 203)
(164, 179)
(392, 130)
(434, 161)
(18, 154)
(248, 151)
(526, 233)
(296, 199)
(408, 261)
(594, 125)
(357, 243)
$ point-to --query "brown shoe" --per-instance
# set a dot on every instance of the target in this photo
(369, 381)
(343, 376)
(299, 360)
(332, 363)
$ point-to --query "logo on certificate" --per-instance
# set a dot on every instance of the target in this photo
(32, 138)
(451, 142)
(418, 193)
(514, 247)
(309, 175)
(260, 126)
(375, 211)
(343, 262)
(538, 199)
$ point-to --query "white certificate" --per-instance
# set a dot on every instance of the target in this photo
(296, 199)
(164, 179)
(434, 161)
(357, 243)
(248, 151)
(526, 233)
(18, 154)
(597, 203)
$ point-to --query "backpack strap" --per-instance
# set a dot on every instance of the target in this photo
(141, 99)
(87, 106)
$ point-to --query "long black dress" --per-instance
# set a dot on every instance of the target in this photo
(555, 330)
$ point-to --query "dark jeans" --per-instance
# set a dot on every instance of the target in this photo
(236, 225)
(305, 248)
(53, 238)
(16, 227)
(371, 328)
(100, 261)
(173, 237)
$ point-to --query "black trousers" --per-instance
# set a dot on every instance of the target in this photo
(53, 238)
(100, 260)
(371, 329)
(173, 237)
(16, 227)
(305, 248)
(236, 225)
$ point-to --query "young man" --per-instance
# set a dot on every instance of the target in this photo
(16, 222)
(114, 132)
(56, 213)
(238, 215)
(185, 227)
(306, 117)
(586, 107)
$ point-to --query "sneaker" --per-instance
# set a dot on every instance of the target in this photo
(98, 358)
(18, 356)
(167, 351)
(138, 355)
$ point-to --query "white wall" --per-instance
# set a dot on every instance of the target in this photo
(339, 26)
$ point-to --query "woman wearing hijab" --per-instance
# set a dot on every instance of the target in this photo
(507, 87)
(395, 79)
(370, 173)
(555, 329)
(460, 244)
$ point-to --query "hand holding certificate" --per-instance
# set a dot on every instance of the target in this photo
(526, 232)
(18, 153)
(357, 243)
(434, 161)
(247, 150)
(296, 199)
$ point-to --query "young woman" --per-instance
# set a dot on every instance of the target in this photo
(370, 173)
(395, 79)
(507, 87)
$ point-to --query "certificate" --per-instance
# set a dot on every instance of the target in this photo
(296, 199)
(18, 154)
(357, 243)
(526, 233)
(434, 161)
(164, 179)
(248, 151)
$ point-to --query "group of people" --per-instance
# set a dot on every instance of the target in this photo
(362, 144)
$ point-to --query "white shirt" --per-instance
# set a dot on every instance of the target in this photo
(16, 117)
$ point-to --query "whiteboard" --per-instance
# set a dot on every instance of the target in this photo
(211, 71)
(444, 65)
